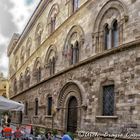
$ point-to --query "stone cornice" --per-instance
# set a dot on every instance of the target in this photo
(12, 43)
(106, 53)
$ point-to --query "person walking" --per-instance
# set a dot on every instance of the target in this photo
(17, 134)
(2, 131)
(66, 137)
(7, 132)
(49, 136)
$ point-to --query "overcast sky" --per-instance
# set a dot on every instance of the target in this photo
(14, 15)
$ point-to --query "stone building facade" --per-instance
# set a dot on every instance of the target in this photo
(76, 66)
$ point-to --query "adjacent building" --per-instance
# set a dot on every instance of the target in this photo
(3, 86)
(76, 66)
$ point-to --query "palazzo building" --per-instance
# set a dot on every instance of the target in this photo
(76, 66)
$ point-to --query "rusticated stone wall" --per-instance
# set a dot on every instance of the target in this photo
(84, 81)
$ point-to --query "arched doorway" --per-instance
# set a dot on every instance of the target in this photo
(69, 105)
(72, 115)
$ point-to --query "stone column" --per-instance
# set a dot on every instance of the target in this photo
(121, 31)
(101, 40)
(97, 42)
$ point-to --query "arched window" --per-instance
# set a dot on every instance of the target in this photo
(74, 52)
(50, 60)
(107, 37)
(27, 77)
(22, 56)
(73, 45)
(28, 47)
(52, 65)
(52, 18)
(52, 26)
(21, 82)
(75, 5)
(49, 105)
(115, 34)
(37, 70)
(36, 106)
(115, 14)
(38, 34)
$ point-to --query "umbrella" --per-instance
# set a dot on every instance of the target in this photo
(10, 105)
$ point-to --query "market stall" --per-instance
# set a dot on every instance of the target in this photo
(10, 105)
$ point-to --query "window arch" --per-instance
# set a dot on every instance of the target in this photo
(112, 12)
(52, 26)
(75, 5)
(28, 47)
(37, 70)
(115, 34)
(36, 106)
(73, 44)
(27, 77)
(107, 37)
(50, 60)
(21, 81)
(52, 18)
(38, 34)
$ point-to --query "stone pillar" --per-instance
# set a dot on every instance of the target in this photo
(101, 40)
(97, 42)
(121, 32)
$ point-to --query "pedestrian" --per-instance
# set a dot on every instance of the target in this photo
(49, 136)
(66, 136)
(17, 133)
(2, 131)
(2, 120)
(7, 132)
(9, 120)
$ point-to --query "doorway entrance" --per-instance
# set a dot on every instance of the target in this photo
(72, 115)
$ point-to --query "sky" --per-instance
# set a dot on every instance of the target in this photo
(14, 15)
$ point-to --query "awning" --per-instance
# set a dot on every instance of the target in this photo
(10, 105)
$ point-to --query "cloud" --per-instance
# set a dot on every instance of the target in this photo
(28, 2)
(3, 59)
(7, 26)
(23, 10)
(14, 15)
(2, 49)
